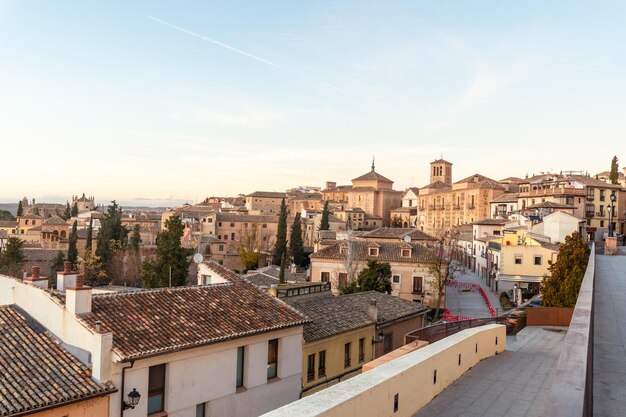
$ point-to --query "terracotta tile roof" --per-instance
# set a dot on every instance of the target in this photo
(35, 371)
(261, 280)
(8, 223)
(512, 179)
(55, 221)
(505, 198)
(494, 222)
(267, 194)
(274, 271)
(38, 254)
(387, 252)
(440, 160)
(333, 315)
(437, 185)
(154, 322)
(480, 181)
(397, 233)
(372, 176)
(550, 204)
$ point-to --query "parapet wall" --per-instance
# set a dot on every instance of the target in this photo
(405, 385)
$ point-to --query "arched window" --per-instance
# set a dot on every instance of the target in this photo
(63, 233)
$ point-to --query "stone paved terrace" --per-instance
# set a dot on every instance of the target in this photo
(609, 352)
(512, 384)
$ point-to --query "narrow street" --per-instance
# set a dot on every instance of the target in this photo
(470, 303)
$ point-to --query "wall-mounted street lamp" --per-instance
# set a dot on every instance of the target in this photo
(380, 338)
(133, 400)
(611, 209)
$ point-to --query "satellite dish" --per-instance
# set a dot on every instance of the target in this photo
(407, 239)
(197, 258)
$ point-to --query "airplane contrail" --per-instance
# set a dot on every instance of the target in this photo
(223, 45)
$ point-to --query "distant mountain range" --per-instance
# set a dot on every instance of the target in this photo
(10, 207)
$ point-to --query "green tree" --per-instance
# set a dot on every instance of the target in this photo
(281, 273)
(248, 246)
(93, 270)
(324, 224)
(376, 276)
(72, 250)
(296, 246)
(12, 257)
(561, 288)
(20, 209)
(74, 211)
(396, 221)
(614, 175)
(135, 239)
(281, 234)
(67, 213)
(111, 229)
(89, 236)
(441, 263)
(6, 215)
(56, 266)
(169, 254)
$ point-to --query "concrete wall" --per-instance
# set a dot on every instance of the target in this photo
(96, 407)
(411, 377)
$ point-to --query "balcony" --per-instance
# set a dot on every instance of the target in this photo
(554, 192)
(471, 206)
(590, 198)
(456, 207)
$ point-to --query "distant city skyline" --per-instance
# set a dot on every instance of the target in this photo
(133, 101)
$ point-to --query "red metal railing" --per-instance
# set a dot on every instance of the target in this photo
(473, 286)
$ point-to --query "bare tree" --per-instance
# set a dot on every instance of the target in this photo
(251, 241)
(440, 258)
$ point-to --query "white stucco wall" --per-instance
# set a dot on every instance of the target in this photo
(208, 375)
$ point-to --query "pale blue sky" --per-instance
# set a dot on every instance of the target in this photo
(189, 99)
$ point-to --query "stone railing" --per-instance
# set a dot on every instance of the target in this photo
(572, 391)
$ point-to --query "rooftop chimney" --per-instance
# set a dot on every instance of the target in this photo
(67, 278)
(373, 311)
(273, 290)
(37, 279)
(78, 297)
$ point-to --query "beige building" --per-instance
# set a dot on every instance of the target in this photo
(304, 201)
(411, 278)
(264, 202)
(590, 197)
(443, 205)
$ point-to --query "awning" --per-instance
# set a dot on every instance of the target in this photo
(519, 278)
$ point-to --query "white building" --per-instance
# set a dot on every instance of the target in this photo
(224, 349)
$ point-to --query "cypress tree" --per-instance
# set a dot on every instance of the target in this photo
(89, 236)
(281, 235)
(296, 246)
(20, 209)
(72, 250)
(67, 213)
(614, 175)
(135, 239)
(111, 229)
(74, 211)
(324, 225)
(281, 274)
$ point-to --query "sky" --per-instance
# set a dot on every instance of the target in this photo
(149, 101)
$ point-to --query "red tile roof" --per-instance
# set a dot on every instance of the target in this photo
(35, 371)
(159, 321)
